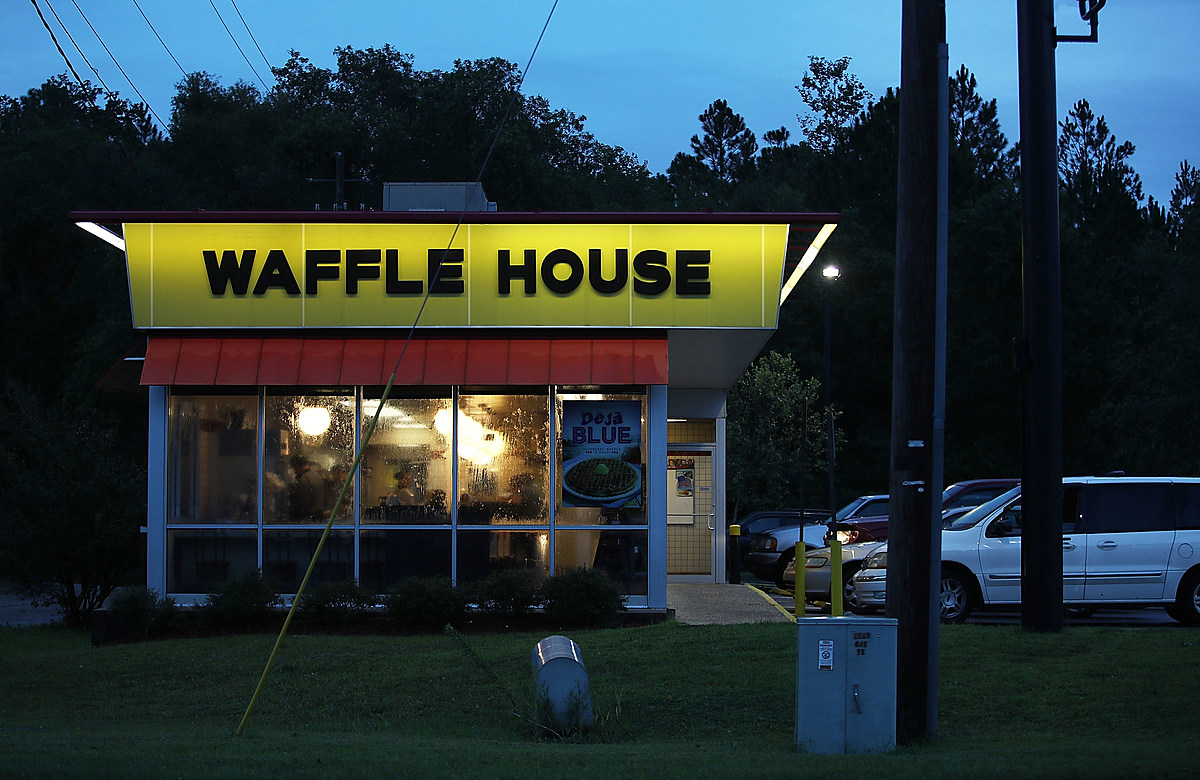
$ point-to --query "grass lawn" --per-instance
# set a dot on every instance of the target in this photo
(687, 702)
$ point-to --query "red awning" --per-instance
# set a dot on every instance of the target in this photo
(289, 362)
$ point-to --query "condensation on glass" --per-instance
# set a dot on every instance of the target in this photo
(451, 484)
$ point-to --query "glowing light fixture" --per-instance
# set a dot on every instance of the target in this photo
(313, 420)
(809, 256)
(104, 234)
(475, 442)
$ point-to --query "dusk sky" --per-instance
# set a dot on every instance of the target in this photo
(641, 72)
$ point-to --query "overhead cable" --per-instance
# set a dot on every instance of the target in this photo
(160, 40)
(114, 59)
(83, 84)
(239, 46)
(251, 34)
(382, 402)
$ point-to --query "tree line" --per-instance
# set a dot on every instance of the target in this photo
(1127, 261)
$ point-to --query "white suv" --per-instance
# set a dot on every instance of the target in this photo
(1127, 541)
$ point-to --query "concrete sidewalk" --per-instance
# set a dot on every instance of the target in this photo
(709, 603)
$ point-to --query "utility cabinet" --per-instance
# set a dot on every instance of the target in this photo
(846, 685)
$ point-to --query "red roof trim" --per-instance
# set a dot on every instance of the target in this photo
(288, 362)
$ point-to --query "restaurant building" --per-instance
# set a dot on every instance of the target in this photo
(548, 389)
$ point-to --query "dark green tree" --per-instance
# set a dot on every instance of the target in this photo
(727, 146)
(834, 97)
(773, 449)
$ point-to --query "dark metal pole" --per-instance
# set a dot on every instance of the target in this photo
(1039, 354)
(831, 445)
(912, 536)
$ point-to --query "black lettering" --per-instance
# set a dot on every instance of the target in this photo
(276, 272)
(506, 271)
(320, 264)
(620, 272)
(691, 272)
(446, 272)
(229, 271)
(651, 275)
(394, 285)
(574, 277)
(361, 264)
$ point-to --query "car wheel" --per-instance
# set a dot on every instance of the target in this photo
(1187, 604)
(850, 595)
(784, 560)
(955, 600)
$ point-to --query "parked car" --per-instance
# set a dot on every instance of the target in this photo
(756, 524)
(1127, 542)
(959, 496)
(818, 574)
(770, 553)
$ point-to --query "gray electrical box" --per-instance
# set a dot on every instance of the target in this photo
(846, 685)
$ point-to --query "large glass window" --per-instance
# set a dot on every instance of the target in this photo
(308, 451)
(481, 552)
(405, 470)
(212, 473)
(601, 467)
(486, 457)
(503, 458)
(388, 556)
(200, 561)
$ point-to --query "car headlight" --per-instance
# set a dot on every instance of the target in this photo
(877, 560)
(766, 543)
(816, 561)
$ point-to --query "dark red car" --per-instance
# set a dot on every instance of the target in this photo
(958, 497)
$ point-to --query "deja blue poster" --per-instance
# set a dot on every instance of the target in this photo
(602, 454)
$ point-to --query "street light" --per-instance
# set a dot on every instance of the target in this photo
(831, 274)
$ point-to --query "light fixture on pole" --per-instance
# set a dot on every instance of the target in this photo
(831, 274)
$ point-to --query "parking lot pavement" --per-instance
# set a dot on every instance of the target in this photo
(16, 611)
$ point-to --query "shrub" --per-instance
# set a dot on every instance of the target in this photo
(582, 597)
(333, 602)
(241, 601)
(510, 590)
(425, 601)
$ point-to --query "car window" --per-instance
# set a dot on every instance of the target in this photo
(972, 518)
(1187, 506)
(975, 496)
(1123, 508)
(873, 508)
(1008, 523)
(760, 524)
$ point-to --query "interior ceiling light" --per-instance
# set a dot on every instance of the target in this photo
(313, 420)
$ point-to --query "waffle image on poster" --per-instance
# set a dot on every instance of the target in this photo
(601, 479)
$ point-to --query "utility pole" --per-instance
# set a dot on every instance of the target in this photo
(914, 544)
(1038, 354)
(339, 182)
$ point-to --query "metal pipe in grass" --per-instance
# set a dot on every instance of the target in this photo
(317, 552)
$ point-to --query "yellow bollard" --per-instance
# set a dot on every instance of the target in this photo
(835, 577)
(799, 584)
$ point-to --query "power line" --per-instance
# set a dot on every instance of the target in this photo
(382, 400)
(160, 40)
(260, 51)
(114, 59)
(83, 84)
(238, 45)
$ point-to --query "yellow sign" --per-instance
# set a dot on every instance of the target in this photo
(320, 275)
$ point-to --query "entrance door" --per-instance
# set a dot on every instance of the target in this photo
(690, 514)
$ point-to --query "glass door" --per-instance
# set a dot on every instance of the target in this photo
(690, 513)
